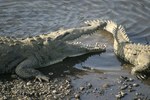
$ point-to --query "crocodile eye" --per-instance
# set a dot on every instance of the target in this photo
(62, 36)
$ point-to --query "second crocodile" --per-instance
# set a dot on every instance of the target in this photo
(136, 54)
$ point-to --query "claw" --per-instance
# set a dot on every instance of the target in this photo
(138, 77)
(42, 77)
(142, 76)
(145, 76)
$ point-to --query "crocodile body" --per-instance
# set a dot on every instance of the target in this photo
(23, 55)
(136, 54)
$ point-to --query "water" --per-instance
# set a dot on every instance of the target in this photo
(23, 18)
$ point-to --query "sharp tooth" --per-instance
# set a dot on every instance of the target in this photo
(96, 44)
(104, 45)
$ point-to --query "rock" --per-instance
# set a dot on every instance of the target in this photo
(130, 79)
(81, 88)
(123, 93)
(101, 91)
(106, 85)
(29, 83)
(55, 97)
(54, 91)
(123, 87)
(87, 92)
(5, 98)
(89, 85)
(123, 77)
(77, 96)
(68, 86)
(68, 81)
(129, 87)
(118, 96)
(14, 76)
(135, 85)
(131, 90)
(119, 81)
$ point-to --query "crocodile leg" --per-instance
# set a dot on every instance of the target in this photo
(144, 66)
(25, 69)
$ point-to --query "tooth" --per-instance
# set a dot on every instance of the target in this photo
(96, 44)
(104, 45)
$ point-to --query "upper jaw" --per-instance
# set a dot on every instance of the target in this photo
(90, 48)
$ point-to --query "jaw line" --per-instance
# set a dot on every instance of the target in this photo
(95, 47)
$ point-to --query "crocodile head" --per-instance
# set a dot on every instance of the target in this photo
(75, 49)
(60, 41)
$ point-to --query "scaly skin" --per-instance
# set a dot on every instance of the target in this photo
(23, 55)
(136, 54)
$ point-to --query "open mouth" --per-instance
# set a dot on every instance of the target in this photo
(91, 48)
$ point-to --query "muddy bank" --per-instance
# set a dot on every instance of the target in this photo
(68, 89)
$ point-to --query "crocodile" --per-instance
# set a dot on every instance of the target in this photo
(22, 56)
(136, 54)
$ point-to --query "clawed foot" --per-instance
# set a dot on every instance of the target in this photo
(42, 77)
(138, 74)
(141, 76)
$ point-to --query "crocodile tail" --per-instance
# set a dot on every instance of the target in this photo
(118, 32)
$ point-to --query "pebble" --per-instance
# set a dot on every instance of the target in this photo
(54, 91)
(118, 96)
(106, 85)
(101, 91)
(119, 81)
(130, 79)
(14, 76)
(95, 88)
(77, 96)
(55, 97)
(123, 77)
(129, 87)
(81, 88)
(4, 97)
(89, 85)
(123, 93)
(29, 83)
(135, 85)
(123, 87)
(131, 90)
